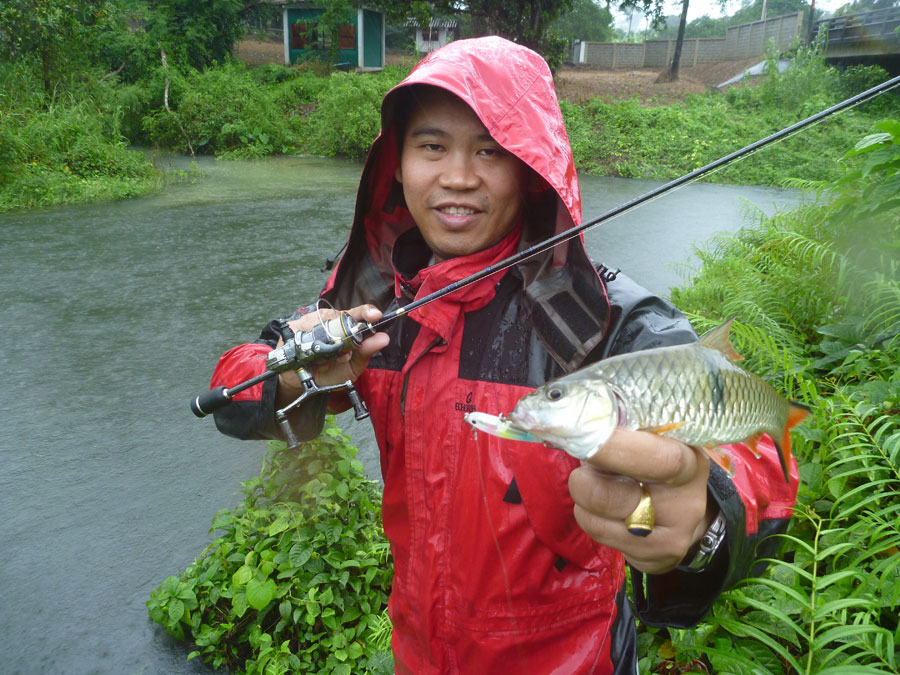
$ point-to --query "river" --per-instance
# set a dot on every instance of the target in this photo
(115, 314)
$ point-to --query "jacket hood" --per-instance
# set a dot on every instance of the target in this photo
(510, 88)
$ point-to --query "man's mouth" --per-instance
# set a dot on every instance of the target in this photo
(457, 210)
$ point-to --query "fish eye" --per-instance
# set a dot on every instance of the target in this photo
(555, 393)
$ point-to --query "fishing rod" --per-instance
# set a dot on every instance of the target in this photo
(334, 336)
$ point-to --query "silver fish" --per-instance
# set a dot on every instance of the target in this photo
(693, 393)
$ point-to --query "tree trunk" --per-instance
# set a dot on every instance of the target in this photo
(671, 74)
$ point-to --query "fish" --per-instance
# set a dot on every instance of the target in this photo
(694, 393)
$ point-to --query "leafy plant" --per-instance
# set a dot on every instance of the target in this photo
(297, 580)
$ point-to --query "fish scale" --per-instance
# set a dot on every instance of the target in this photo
(716, 401)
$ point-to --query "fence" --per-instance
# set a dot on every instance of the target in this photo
(740, 42)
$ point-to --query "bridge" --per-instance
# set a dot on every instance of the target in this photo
(864, 37)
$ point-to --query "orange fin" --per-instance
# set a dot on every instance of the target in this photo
(722, 457)
(719, 339)
(662, 428)
(797, 414)
(752, 444)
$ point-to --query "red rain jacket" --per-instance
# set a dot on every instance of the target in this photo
(491, 570)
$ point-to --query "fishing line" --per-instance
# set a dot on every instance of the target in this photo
(647, 197)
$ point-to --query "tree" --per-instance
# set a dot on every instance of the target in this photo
(195, 33)
(585, 20)
(653, 10)
(753, 11)
(671, 74)
(522, 21)
(57, 34)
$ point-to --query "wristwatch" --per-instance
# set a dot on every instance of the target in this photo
(702, 553)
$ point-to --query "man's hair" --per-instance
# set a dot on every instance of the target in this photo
(403, 103)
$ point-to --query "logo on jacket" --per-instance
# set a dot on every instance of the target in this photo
(467, 406)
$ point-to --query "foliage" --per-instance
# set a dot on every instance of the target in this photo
(635, 139)
(347, 116)
(297, 580)
(52, 36)
(585, 20)
(194, 33)
(817, 296)
(220, 111)
(64, 149)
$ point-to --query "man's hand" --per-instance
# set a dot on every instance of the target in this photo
(606, 491)
(347, 366)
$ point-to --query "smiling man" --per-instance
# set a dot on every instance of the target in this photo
(507, 555)
(463, 190)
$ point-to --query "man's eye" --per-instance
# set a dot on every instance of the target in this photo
(490, 152)
(431, 147)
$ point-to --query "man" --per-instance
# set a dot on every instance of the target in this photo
(507, 555)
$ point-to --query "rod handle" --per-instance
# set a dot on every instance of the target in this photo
(210, 401)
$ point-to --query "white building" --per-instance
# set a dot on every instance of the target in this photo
(438, 33)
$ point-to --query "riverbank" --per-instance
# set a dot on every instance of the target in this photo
(74, 147)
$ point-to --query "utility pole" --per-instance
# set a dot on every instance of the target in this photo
(812, 20)
(763, 18)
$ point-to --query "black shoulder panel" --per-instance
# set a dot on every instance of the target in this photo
(499, 344)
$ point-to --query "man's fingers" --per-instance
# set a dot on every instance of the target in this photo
(614, 497)
(647, 457)
(368, 313)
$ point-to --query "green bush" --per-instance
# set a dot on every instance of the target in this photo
(298, 578)
(347, 116)
(221, 110)
(63, 150)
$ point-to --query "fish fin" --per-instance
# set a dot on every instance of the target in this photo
(797, 414)
(722, 457)
(752, 443)
(662, 428)
(719, 339)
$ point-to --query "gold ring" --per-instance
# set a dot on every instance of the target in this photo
(640, 522)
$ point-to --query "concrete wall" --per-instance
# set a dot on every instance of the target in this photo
(693, 52)
(746, 41)
(750, 40)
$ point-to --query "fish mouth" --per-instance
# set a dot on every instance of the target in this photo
(523, 420)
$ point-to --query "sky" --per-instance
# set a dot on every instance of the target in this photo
(697, 8)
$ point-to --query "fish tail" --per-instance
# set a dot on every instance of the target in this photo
(797, 414)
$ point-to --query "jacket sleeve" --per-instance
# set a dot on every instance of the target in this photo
(251, 413)
(757, 501)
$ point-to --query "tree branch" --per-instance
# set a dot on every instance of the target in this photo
(162, 53)
(111, 73)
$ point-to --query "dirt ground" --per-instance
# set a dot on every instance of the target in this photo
(576, 84)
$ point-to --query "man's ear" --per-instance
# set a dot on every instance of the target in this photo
(398, 174)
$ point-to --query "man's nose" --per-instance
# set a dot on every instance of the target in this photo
(460, 172)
